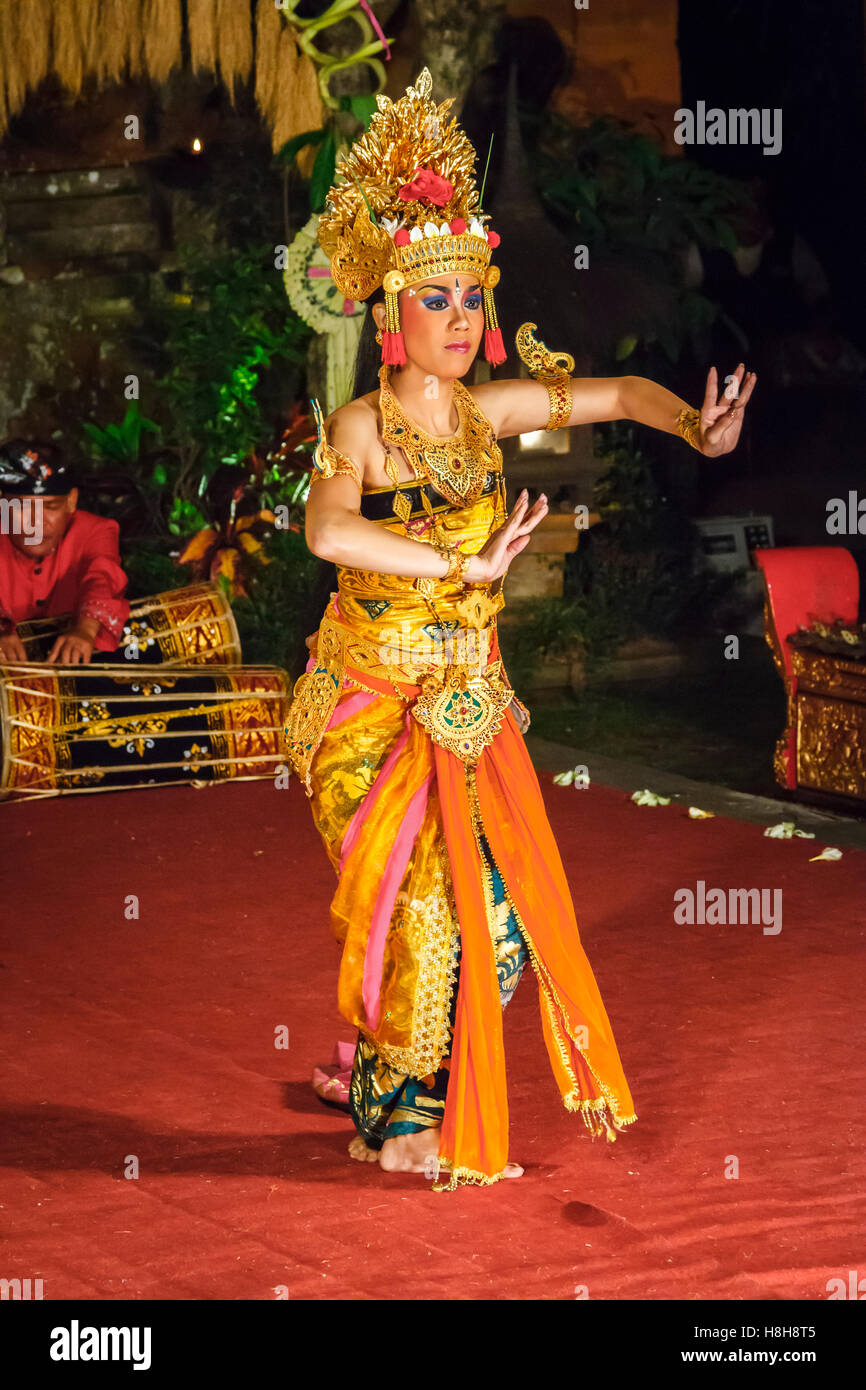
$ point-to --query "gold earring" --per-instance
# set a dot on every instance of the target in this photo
(378, 335)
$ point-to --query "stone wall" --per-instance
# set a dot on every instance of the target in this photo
(76, 248)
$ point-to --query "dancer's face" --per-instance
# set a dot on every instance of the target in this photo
(437, 314)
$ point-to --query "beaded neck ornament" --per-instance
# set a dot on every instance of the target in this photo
(399, 213)
(457, 466)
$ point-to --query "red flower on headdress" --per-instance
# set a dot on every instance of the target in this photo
(427, 187)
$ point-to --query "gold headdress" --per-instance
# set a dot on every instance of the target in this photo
(407, 209)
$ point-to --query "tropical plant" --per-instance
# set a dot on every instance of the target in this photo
(633, 202)
(628, 195)
(223, 334)
(120, 443)
(269, 615)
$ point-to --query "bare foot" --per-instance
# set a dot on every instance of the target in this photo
(417, 1153)
(411, 1153)
(512, 1170)
(359, 1150)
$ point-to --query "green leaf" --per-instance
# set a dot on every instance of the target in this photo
(625, 347)
(323, 172)
(291, 148)
(363, 108)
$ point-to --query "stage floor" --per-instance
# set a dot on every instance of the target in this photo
(148, 1041)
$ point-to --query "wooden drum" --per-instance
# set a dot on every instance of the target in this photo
(181, 627)
(100, 727)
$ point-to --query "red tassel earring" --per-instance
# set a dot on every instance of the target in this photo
(494, 348)
(393, 346)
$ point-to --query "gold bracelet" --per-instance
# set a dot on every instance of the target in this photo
(457, 563)
(560, 394)
(688, 424)
(462, 564)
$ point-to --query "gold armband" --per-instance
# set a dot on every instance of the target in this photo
(552, 368)
(328, 461)
(560, 394)
(688, 424)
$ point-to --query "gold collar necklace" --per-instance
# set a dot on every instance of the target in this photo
(457, 466)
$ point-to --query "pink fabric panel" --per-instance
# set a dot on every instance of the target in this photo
(391, 880)
(346, 708)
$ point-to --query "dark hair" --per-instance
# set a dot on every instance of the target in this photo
(368, 358)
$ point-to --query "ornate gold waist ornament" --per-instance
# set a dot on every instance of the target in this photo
(462, 707)
(552, 368)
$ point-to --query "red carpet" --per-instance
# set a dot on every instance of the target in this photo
(155, 1038)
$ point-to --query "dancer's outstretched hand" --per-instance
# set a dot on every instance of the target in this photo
(513, 535)
(721, 421)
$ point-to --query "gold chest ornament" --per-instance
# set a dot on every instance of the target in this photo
(458, 466)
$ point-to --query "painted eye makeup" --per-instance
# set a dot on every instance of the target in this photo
(438, 301)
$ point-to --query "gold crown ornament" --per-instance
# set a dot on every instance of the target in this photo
(406, 208)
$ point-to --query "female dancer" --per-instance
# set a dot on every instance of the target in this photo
(404, 728)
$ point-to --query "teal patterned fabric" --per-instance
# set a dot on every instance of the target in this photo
(385, 1102)
(375, 607)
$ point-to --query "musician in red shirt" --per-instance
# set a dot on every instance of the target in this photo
(73, 568)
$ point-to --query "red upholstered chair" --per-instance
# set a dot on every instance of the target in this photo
(805, 583)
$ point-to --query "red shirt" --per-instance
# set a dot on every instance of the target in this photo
(81, 575)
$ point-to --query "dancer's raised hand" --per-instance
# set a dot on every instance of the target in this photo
(494, 558)
(722, 420)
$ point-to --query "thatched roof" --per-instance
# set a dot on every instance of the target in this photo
(81, 42)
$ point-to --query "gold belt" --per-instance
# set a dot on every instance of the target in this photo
(461, 705)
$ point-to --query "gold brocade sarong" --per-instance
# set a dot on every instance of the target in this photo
(412, 827)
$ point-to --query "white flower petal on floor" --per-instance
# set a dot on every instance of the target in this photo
(786, 830)
(648, 798)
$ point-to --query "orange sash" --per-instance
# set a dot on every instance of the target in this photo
(501, 798)
(504, 800)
